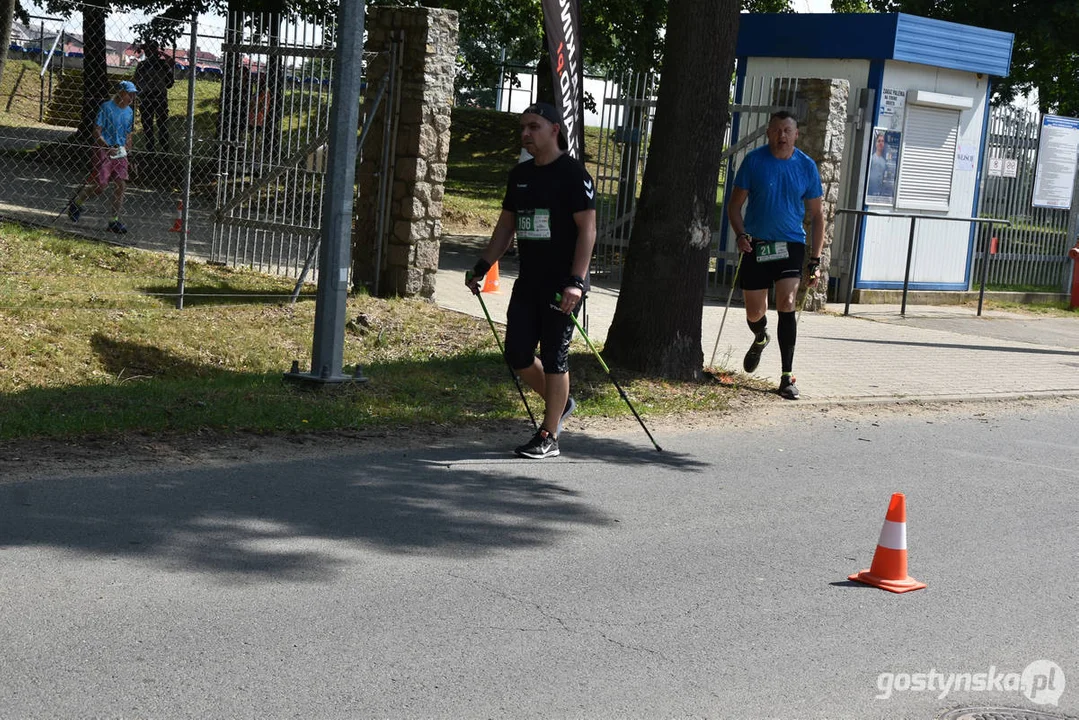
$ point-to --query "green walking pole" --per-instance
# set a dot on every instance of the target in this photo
(501, 350)
(558, 299)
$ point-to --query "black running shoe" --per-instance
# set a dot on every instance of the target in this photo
(571, 405)
(753, 355)
(542, 445)
(787, 388)
(117, 227)
(74, 211)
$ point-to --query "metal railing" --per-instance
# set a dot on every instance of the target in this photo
(910, 250)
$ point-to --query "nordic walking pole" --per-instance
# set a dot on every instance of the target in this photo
(558, 299)
(498, 341)
(805, 299)
(730, 295)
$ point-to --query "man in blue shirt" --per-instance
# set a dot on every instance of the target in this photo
(782, 185)
(112, 141)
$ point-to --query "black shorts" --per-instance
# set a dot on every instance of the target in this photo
(533, 319)
(761, 275)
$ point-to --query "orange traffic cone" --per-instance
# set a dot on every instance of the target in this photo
(889, 568)
(178, 223)
(490, 280)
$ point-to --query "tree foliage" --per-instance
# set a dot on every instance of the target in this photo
(619, 35)
(1045, 56)
(851, 6)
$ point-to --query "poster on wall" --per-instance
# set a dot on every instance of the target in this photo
(892, 104)
(965, 158)
(883, 167)
(1054, 173)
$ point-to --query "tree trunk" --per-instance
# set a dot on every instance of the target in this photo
(657, 322)
(7, 10)
(95, 72)
(274, 85)
(235, 90)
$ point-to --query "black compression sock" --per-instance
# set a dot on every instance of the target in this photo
(788, 336)
(758, 327)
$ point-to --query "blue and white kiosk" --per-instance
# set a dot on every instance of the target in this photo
(916, 146)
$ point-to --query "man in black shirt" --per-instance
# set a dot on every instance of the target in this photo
(550, 204)
(154, 77)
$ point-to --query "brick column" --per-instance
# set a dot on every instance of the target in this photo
(420, 146)
(822, 136)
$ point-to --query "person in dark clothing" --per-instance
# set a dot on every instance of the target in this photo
(154, 77)
(550, 204)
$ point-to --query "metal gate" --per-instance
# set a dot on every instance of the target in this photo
(626, 117)
(273, 131)
(1032, 252)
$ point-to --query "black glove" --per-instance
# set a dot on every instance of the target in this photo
(480, 268)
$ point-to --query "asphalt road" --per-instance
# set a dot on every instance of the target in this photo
(456, 581)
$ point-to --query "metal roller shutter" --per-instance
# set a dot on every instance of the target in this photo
(927, 158)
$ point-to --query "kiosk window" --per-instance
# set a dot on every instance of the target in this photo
(927, 158)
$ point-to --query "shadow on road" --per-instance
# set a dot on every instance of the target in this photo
(303, 520)
(269, 522)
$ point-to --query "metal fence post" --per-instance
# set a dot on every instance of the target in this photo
(330, 301)
(985, 266)
(906, 275)
(855, 244)
(181, 279)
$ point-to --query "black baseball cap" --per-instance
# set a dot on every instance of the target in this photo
(547, 111)
(551, 114)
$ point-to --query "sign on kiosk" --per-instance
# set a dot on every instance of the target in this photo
(1058, 151)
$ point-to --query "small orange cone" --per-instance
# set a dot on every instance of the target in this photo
(490, 281)
(889, 568)
(178, 223)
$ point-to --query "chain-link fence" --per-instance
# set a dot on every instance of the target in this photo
(219, 154)
(79, 152)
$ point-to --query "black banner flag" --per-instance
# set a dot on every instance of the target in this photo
(562, 20)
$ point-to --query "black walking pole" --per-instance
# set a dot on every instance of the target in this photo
(558, 299)
(498, 341)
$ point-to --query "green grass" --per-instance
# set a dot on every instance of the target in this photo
(1000, 287)
(1054, 309)
(20, 92)
(90, 344)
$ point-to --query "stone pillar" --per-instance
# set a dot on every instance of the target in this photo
(822, 136)
(419, 123)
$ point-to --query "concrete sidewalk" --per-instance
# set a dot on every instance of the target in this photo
(874, 354)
